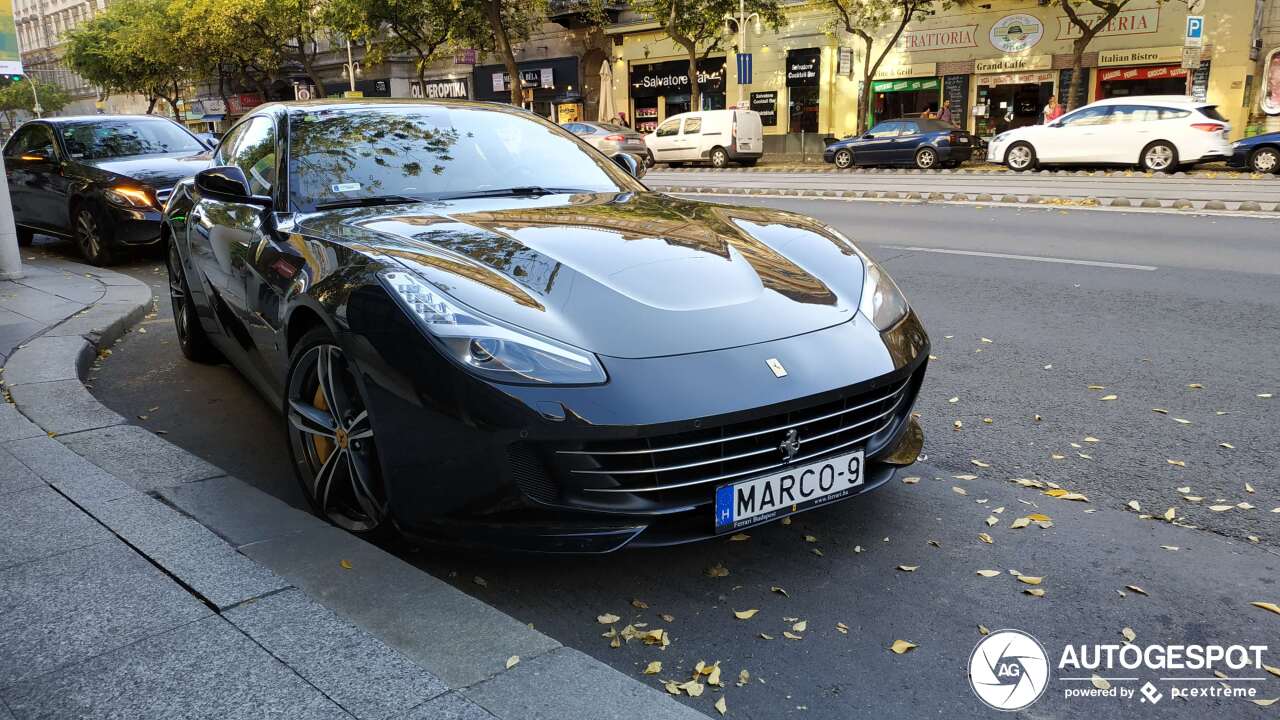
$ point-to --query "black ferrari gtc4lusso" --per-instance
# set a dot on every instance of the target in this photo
(480, 329)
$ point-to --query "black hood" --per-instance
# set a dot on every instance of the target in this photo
(621, 274)
(159, 171)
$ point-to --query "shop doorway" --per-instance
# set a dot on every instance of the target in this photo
(1012, 106)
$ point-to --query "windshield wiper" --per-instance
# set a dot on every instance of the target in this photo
(522, 191)
(368, 202)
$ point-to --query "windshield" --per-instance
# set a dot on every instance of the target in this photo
(349, 154)
(104, 139)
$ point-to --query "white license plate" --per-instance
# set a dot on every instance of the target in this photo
(964, 140)
(772, 496)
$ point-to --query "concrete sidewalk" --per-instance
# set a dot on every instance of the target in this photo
(139, 581)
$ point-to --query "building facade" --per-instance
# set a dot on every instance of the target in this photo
(997, 63)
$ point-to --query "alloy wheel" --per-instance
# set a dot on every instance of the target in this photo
(1266, 160)
(1158, 157)
(88, 235)
(719, 158)
(177, 293)
(1019, 157)
(926, 158)
(844, 159)
(333, 440)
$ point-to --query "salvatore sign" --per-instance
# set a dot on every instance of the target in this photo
(672, 78)
(803, 68)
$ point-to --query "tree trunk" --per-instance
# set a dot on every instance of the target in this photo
(864, 96)
(151, 104)
(1077, 60)
(493, 9)
(695, 94)
(173, 105)
(222, 90)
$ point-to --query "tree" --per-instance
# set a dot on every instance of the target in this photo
(134, 46)
(1089, 24)
(421, 28)
(496, 26)
(232, 40)
(690, 23)
(868, 19)
(17, 95)
(296, 24)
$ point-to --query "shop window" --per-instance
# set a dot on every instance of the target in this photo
(803, 108)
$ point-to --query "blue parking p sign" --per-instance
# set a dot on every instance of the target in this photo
(1195, 29)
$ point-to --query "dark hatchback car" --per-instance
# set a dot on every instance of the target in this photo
(1260, 153)
(916, 142)
(479, 331)
(100, 180)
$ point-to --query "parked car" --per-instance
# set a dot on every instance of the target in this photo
(717, 137)
(1260, 153)
(1159, 133)
(480, 332)
(100, 180)
(921, 142)
(609, 138)
(209, 139)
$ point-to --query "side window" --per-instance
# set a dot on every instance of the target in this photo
(1173, 114)
(255, 154)
(669, 128)
(886, 130)
(692, 126)
(1088, 116)
(576, 128)
(32, 139)
(227, 146)
(909, 128)
(582, 129)
(1134, 114)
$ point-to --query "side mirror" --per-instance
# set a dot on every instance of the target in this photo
(228, 183)
(628, 162)
(36, 157)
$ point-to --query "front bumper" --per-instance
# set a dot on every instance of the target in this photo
(477, 463)
(134, 228)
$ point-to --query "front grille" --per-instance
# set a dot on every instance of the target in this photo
(736, 450)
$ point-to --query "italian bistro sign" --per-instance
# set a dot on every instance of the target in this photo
(1142, 56)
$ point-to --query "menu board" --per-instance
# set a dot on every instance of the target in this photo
(956, 89)
(1200, 82)
(766, 103)
(1064, 87)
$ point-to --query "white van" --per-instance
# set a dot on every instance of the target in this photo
(715, 136)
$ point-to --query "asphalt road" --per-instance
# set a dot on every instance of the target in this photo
(1143, 305)
(1065, 183)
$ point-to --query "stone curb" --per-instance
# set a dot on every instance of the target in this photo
(1062, 202)
(390, 632)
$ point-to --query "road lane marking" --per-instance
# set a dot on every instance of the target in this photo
(1033, 258)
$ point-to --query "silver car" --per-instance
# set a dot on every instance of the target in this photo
(610, 139)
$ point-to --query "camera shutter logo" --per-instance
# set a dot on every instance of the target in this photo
(1009, 670)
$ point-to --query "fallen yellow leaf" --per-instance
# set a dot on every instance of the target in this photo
(693, 688)
(908, 568)
(739, 537)
(959, 490)
(713, 675)
(766, 636)
(1195, 386)
(911, 480)
(1178, 463)
(1100, 682)
(1107, 397)
(985, 538)
(513, 661)
(1030, 579)
(639, 604)
(744, 677)
(653, 668)
(1039, 517)
(720, 706)
(745, 614)
(1129, 634)
(717, 570)
(1134, 506)
(607, 619)
(1020, 523)
(800, 626)
(1220, 508)
(1034, 592)
(992, 520)
(988, 573)
(790, 636)
(1267, 606)
(842, 628)
(1137, 589)
(1265, 703)
(344, 564)
(980, 463)
(902, 646)
(982, 630)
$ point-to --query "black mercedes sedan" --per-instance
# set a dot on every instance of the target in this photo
(100, 180)
(481, 330)
(915, 142)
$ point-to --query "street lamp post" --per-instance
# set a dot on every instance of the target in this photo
(741, 20)
(352, 67)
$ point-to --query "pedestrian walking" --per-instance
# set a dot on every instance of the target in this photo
(1053, 110)
(945, 113)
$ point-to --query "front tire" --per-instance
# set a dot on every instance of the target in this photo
(719, 157)
(92, 236)
(331, 439)
(1265, 160)
(926, 158)
(192, 339)
(1160, 156)
(843, 158)
(1020, 156)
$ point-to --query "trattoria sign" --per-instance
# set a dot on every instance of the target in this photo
(944, 38)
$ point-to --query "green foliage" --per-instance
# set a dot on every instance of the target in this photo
(421, 28)
(133, 46)
(16, 95)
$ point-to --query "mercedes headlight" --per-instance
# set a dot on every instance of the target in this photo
(882, 301)
(131, 197)
(494, 351)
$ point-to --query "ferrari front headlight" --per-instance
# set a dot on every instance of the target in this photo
(882, 302)
(483, 346)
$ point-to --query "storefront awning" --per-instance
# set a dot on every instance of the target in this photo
(911, 85)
